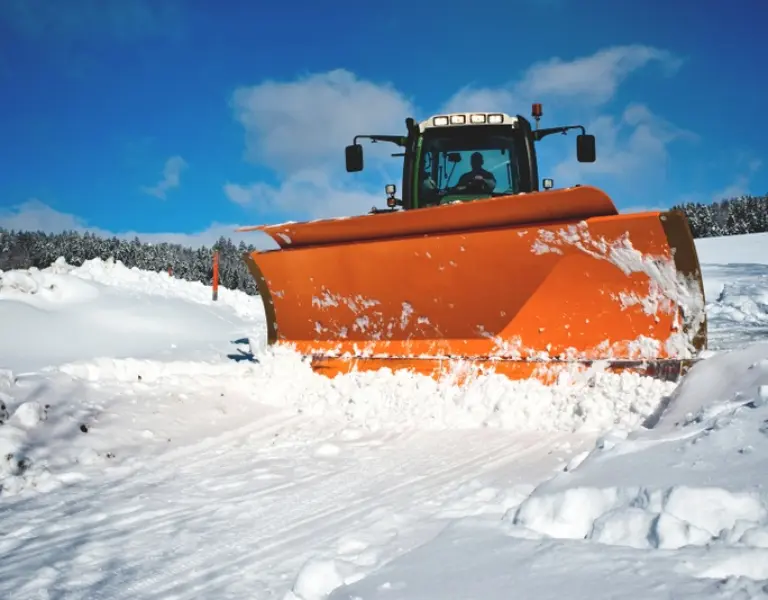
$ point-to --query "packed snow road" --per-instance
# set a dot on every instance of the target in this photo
(144, 459)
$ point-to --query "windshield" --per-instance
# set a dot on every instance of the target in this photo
(468, 163)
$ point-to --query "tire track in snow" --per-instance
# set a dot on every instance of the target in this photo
(91, 496)
(264, 427)
(319, 525)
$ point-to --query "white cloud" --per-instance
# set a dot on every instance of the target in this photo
(245, 195)
(35, 215)
(299, 129)
(590, 80)
(634, 145)
(292, 126)
(635, 208)
(740, 186)
(482, 99)
(312, 192)
(171, 178)
(594, 78)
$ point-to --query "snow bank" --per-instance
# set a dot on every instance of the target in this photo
(678, 508)
(57, 429)
(102, 308)
(132, 281)
(473, 558)
(698, 477)
(735, 272)
(23, 421)
(737, 304)
(640, 517)
(386, 400)
(742, 301)
(44, 288)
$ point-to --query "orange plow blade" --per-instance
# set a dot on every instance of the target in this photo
(525, 286)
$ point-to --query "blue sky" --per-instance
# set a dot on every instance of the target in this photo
(192, 117)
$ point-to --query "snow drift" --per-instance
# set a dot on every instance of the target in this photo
(709, 452)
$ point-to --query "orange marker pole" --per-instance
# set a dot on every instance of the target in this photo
(215, 275)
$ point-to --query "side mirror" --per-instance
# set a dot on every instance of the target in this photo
(354, 158)
(585, 148)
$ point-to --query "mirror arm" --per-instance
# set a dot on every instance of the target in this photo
(538, 134)
(395, 139)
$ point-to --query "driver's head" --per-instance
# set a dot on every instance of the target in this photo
(476, 160)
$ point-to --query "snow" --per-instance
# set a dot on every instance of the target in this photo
(680, 508)
(733, 249)
(152, 447)
(736, 287)
(61, 314)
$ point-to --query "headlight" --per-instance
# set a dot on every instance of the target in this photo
(495, 119)
(477, 119)
(458, 119)
(440, 121)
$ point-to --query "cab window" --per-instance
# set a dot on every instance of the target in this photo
(467, 165)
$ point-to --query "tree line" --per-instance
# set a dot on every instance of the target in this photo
(735, 216)
(25, 249)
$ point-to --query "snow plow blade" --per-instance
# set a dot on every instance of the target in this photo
(526, 286)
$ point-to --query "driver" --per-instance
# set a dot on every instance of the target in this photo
(477, 174)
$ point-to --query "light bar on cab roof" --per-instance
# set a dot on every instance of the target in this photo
(468, 119)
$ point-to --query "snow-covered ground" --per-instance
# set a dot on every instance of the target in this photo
(142, 455)
(736, 288)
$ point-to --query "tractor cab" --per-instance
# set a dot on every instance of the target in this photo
(464, 157)
(460, 161)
